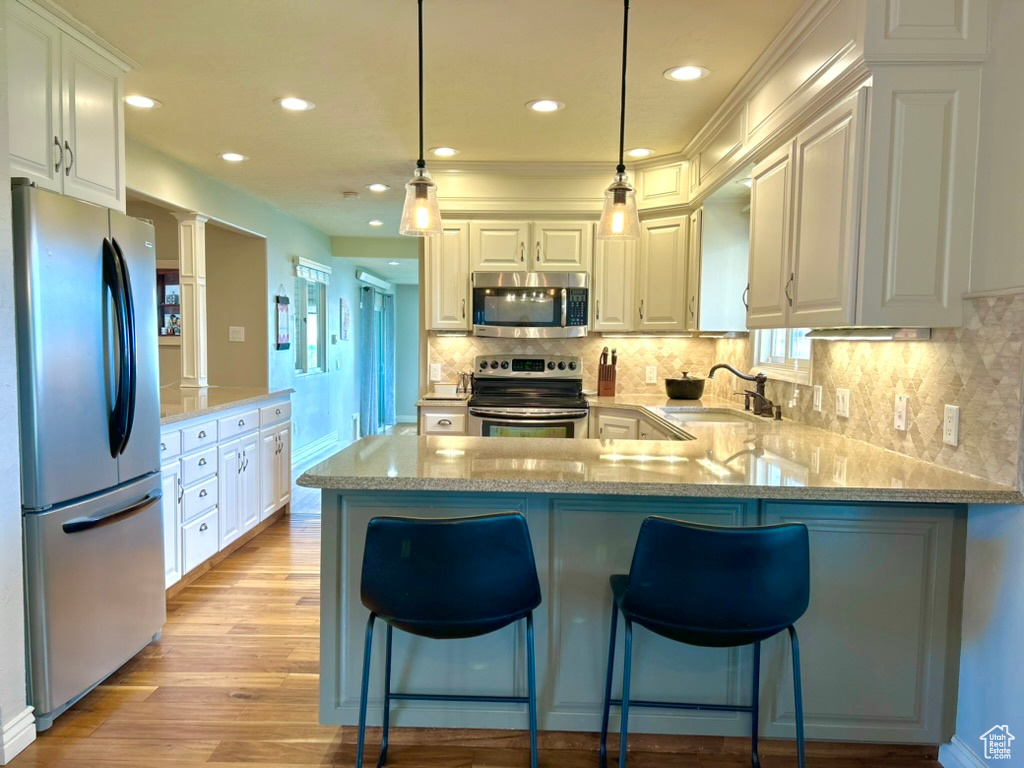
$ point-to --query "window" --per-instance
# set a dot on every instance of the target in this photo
(784, 353)
(310, 316)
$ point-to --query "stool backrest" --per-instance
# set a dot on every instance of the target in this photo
(455, 570)
(711, 578)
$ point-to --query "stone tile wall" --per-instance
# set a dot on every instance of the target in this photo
(979, 368)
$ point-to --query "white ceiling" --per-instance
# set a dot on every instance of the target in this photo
(217, 66)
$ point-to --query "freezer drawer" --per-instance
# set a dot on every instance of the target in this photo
(95, 590)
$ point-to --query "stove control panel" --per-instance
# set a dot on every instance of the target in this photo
(530, 366)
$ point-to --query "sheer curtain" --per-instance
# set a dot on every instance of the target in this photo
(387, 390)
(377, 355)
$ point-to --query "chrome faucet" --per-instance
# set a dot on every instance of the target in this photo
(762, 405)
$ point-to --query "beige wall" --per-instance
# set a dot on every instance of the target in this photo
(236, 295)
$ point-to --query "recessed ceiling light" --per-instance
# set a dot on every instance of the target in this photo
(394, 263)
(233, 157)
(545, 105)
(375, 223)
(378, 187)
(689, 72)
(444, 151)
(143, 102)
(640, 152)
(294, 104)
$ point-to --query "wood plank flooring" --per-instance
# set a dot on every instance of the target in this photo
(233, 683)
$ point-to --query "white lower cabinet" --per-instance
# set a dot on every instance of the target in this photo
(617, 426)
(212, 492)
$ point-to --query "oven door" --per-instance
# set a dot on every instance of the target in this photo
(528, 422)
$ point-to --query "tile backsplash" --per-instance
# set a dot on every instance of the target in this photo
(979, 368)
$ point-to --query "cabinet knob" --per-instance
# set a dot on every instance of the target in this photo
(163, 446)
(202, 493)
(202, 433)
(204, 527)
(241, 422)
(277, 412)
(444, 422)
(202, 462)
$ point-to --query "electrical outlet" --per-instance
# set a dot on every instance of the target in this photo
(899, 419)
(839, 470)
(236, 333)
(816, 397)
(652, 374)
(435, 371)
(843, 403)
(951, 425)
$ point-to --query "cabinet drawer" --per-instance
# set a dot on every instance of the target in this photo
(199, 498)
(230, 426)
(199, 541)
(444, 423)
(198, 436)
(170, 445)
(272, 414)
(198, 466)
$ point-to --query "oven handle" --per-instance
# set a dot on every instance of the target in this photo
(565, 306)
(540, 418)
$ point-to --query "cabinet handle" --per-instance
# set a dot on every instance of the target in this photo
(71, 158)
(202, 462)
(60, 156)
(538, 251)
(746, 293)
(641, 309)
(241, 422)
(789, 298)
(181, 491)
(463, 309)
(693, 300)
(204, 527)
(522, 251)
(444, 422)
(202, 493)
(598, 313)
(163, 446)
(202, 434)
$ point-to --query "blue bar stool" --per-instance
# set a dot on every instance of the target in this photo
(714, 587)
(447, 579)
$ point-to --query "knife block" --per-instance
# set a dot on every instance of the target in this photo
(606, 381)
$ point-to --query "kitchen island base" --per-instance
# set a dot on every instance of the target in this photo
(879, 642)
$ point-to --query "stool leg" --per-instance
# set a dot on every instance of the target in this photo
(754, 761)
(531, 670)
(603, 753)
(364, 689)
(627, 663)
(387, 701)
(798, 699)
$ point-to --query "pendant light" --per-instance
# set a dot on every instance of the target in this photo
(619, 218)
(421, 216)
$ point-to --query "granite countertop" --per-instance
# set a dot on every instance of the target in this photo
(740, 459)
(433, 398)
(181, 403)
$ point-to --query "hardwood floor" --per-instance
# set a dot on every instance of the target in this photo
(233, 682)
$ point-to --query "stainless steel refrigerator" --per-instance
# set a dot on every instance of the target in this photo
(85, 288)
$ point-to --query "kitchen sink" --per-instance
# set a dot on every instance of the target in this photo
(685, 415)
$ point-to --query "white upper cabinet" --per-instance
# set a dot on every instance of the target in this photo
(691, 320)
(661, 288)
(65, 107)
(562, 246)
(447, 271)
(719, 252)
(613, 286)
(498, 246)
(771, 208)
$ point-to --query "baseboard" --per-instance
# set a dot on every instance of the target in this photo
(16, 734)
(304, 457)
(957, 754)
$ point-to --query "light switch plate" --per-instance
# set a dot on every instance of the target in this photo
(236, 333)
(899, 419)
(435, 371)
(843, 403)
(652, 374)
(816, 397)
(951, 425)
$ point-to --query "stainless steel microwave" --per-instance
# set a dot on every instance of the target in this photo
(530, 305)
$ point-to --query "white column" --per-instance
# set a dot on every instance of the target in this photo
(192, 266)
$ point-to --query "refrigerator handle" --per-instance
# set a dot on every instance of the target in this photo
(80, 524)
(131, 344)
(113, 280)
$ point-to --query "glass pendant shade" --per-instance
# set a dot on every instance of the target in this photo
(619, 217)
(421, 216)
